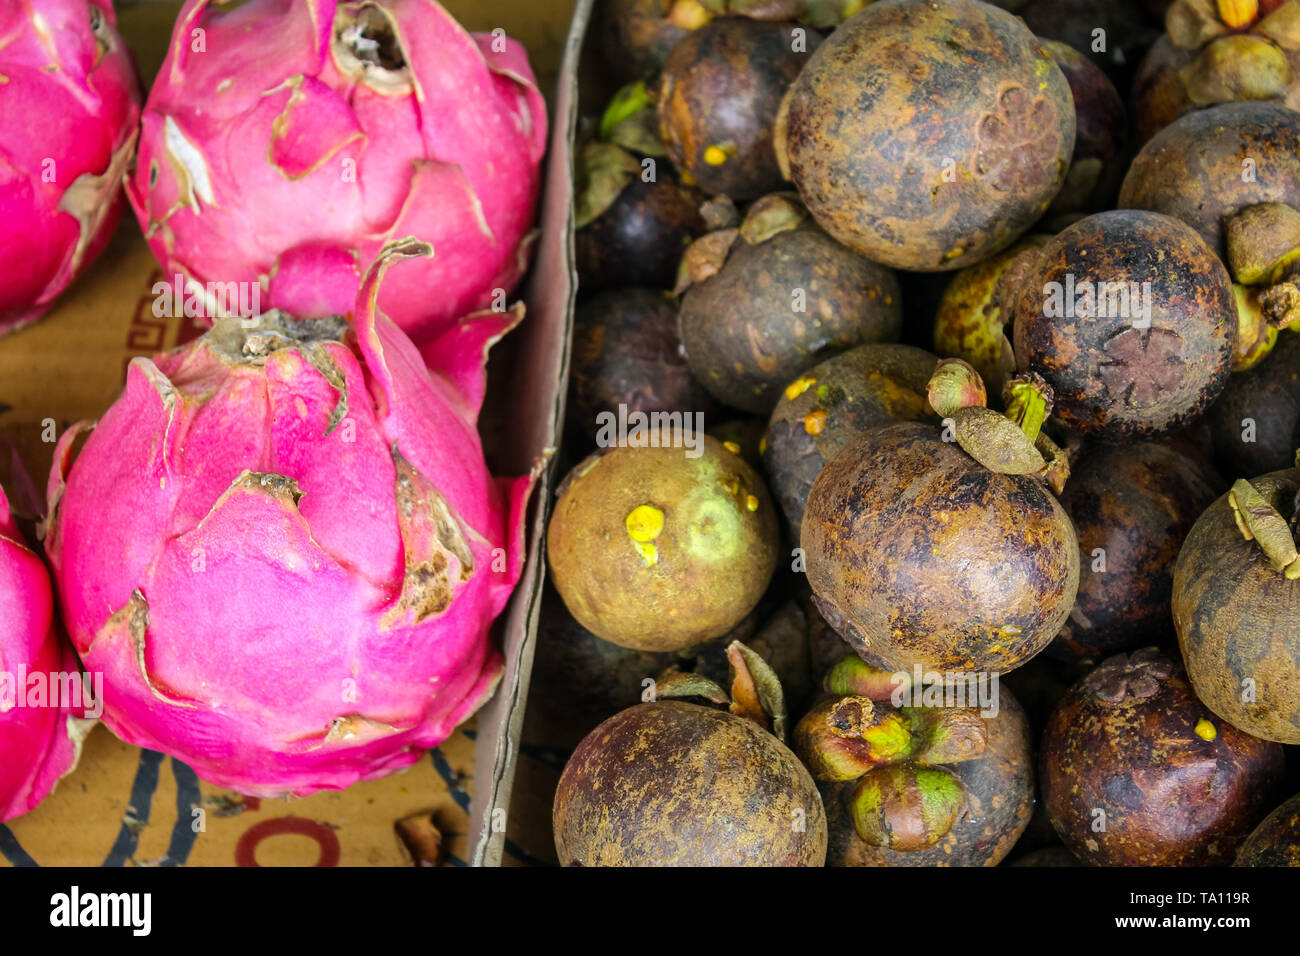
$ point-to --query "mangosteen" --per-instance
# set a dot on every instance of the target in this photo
(911, 777)
(767, 301)
(626, 352)
(672, 783)
(662, 543)
(928, 136)
(1255, 424)
(719, 94)
(834, 401)
(1218, 54)
(638, 35)
(948, 555)
(1276, 841)
(1236, 605)
(1099, 158)
(1131, 318)
(1131, 505)
(1110, 33)
(1136, 771)
(974, 316)
(1210, 164)
(633, 217)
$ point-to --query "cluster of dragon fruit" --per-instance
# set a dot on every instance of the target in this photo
(280, 552)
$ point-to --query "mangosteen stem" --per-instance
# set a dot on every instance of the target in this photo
(1259, 521)
(627, 102)
(1029, 401)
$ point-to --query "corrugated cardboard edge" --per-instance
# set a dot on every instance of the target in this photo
(553, 285)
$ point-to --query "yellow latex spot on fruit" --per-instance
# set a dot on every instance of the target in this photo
(715, 155)
(814, 423)
(762, 445)
(1238, 13)
(1008, 630)
(751, 502)
(644, 523)
(953, 253)
(799, 386)
(732, 447)
(685, 176)
(1205, 730)
(731, 484)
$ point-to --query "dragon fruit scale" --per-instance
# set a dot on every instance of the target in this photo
(41, 711)
(283, 549)
(69, 112)
(286, 141)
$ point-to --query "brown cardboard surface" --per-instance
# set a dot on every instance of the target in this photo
(123, 805)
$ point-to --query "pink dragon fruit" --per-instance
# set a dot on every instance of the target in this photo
(41, 724)
(69, 109)
(286, 141)
(283, 549)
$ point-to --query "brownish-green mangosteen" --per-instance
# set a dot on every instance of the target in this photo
(1276, 841)
(1131, 318)
(1099, 160)
(1137, 772)
(719, 94)
(1218, 53)
(1212, 163)
(662, 548)
(743, 437)
(949, 555)
(973, 320)
(626, 352)
(928, 136)
(915, 774)
(764, 302)
(1131, 505)
(675, 783)
(1236, 605)
(634, 218)
(1255, 424)
(834, 401)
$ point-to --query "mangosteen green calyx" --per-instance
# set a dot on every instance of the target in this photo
(765, 301)
(1131, 505)
(627, 352)
(1255, 424)
(662, 546)
(1210, 164)
(1098, 162)
(1137, 772)
(833, 402)
(1219, 53)
(928, 136)
(1276, 841)
(945, 547)
(1236, 606)
(1131, 318)
(672, 783)
(633, 217)
(719, 94)
(973, 321)
(911, 784)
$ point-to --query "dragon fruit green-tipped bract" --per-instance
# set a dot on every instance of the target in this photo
(40, 731)
(282, 547)
(69, 109)
(287, 142)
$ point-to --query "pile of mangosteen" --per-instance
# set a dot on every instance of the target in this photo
(932, 495)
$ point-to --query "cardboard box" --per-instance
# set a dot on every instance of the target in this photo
(125, 806)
